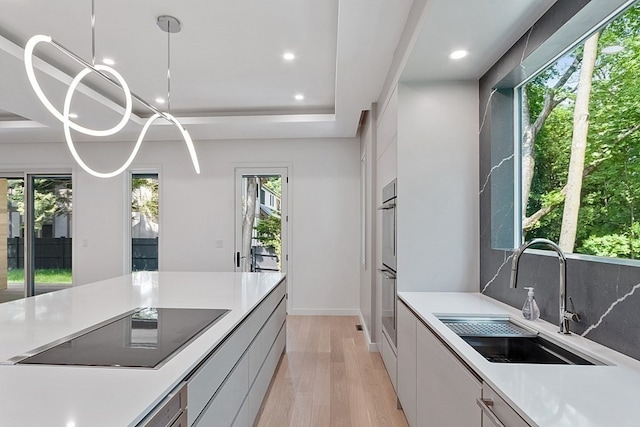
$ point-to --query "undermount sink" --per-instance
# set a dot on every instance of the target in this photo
(500, 340)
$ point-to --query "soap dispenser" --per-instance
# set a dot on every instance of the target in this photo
(530, 310)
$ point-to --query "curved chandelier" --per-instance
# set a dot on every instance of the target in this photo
(103, 71)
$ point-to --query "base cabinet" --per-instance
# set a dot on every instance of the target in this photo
(390, 360)
(407, 362)
(447, 390)
(229, 386)
(496, 412)
(436, 388)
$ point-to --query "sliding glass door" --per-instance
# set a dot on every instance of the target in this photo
(11, 238)
(35, 234)
(48, 266)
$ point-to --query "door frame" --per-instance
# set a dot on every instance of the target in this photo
(262, 169)
(29, 229)
(127, 262)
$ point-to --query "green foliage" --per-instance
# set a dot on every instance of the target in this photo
(614, 245)
(144, 198)
(273, 183)
(53, 276)
(269, 232)
(52, 197)
(610, 200)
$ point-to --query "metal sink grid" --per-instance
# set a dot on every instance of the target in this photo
(486, 327)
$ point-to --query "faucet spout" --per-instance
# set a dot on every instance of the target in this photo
(565, 315)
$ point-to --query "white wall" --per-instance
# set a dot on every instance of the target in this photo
(438, 187)
(195, 210)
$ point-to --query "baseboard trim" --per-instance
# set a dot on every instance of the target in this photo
(323, 312)
(373, 348)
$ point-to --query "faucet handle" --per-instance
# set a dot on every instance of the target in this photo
(573, 314)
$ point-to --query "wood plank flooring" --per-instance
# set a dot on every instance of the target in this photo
(329, 378)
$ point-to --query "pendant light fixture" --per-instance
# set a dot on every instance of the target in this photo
(166, 23)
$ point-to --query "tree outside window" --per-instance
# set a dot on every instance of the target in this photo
(581, 145)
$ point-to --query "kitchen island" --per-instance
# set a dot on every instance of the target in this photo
(75, 396)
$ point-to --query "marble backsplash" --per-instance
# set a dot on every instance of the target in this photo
(606, 295)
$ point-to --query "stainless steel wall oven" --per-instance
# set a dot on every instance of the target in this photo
(389, 261)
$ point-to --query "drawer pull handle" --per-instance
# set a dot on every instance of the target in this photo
(485, 405)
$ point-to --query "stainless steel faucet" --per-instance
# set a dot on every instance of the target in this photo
(565, 315)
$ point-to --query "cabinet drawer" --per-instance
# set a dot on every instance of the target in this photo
(270, 303)
(210, 375)
(390, 361)
(263, 342)
(223, 408)
(496, 407)
(242, 419)
(261, 384)
(206, 381)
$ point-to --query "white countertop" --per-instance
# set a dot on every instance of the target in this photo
(544, 395)
(75, 396)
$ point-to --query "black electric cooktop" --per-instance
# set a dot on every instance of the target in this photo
(141, 338)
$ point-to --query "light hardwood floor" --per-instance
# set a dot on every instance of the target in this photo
(329, 378)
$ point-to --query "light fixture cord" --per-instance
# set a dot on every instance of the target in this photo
(169, 66)
(93, 32)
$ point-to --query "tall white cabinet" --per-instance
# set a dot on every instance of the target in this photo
(438, 200)
(427, 138)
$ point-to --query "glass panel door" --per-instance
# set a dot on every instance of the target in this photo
(49, 214)
(11, 239)
(261, 218)
(4, 227)
(145, 221)
(35, 235)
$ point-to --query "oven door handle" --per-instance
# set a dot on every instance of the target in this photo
(388, 274)
(387, 206)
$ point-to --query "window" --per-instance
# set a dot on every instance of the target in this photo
(145, 221)
(580, 144)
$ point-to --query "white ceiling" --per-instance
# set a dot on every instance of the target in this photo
(228, 77)
(485, 28)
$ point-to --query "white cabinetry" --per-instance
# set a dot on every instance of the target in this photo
(407, 392)
(434, 387)
(496, 412)
(447, 391)
(437, 143)
(390, 360)
(229, 386)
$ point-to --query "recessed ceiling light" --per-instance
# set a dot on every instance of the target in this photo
(458, 54)
(299, 97)
(73, 116)
(108, 61)
(612, 49)
(160, 100)
(288, 56)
